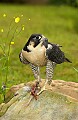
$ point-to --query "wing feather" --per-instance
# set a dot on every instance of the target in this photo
(23, 59)
(55, 54)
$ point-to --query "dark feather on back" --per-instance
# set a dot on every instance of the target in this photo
(56, 55)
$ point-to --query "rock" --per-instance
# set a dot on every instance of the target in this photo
(60, 86)
(50, 105)
(12, 91)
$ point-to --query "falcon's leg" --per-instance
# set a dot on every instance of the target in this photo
(36, 72)
(49, 74)
(49, 71)
(35, 88)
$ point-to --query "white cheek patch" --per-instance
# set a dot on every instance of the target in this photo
(30, 47)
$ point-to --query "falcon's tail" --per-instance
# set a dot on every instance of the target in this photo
(67, 60)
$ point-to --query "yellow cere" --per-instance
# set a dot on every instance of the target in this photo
(17, 19)
(12, 42)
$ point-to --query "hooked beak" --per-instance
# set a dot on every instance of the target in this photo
(44, 42)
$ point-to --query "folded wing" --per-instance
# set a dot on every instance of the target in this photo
(55, 54)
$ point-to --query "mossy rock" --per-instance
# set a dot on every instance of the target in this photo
(49, 106)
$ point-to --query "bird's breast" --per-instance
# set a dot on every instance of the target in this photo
(36, 56)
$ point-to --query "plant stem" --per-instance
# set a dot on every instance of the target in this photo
(8, 56)
(7, 61)
(9, 28)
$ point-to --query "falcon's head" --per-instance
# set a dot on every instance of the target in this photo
(34, 40)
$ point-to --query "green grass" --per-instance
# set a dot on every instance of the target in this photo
(58, 24)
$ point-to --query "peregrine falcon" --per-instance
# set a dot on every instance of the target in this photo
(39, 52)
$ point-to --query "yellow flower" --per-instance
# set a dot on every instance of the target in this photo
(23, 28)
(12, 42)
(2, 30)
(4, 15)
(21, 15)
(29, 18)
(17, 19)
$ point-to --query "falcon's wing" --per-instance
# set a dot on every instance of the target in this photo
(22, 59)
(55, 54)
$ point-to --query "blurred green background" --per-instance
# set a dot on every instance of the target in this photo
(58, 21)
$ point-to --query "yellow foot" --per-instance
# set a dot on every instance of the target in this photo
(27, 104)
(42, 89)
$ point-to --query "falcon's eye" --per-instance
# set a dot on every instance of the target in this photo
(38, 37)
